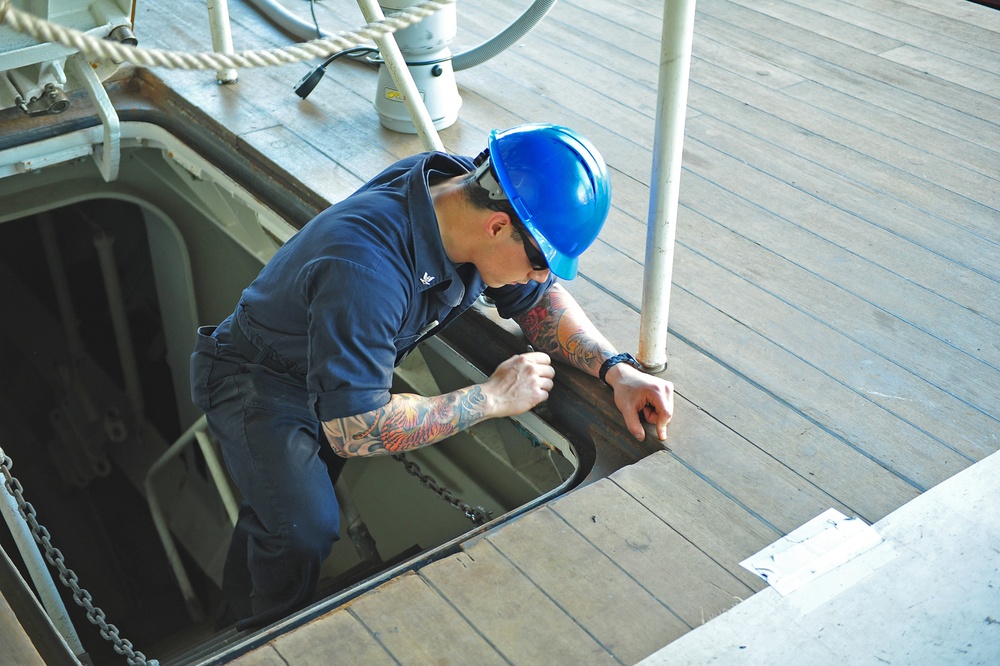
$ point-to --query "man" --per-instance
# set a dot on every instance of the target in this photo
(302, 368)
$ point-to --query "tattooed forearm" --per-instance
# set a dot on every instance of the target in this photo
(558, 326)
(407, 422)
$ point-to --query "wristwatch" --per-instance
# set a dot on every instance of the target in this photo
(624, 357)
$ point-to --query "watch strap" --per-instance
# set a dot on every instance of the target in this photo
(624, 357)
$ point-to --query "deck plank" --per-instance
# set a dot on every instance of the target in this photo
(932, 41)
(337, 634)
(905, 98)
(922, 137)
(569, 54)
(875, 67)
(801, 442)
(304, 161)
(890, 209)
(831, 254)
(867, 184)
(978, 78)
(964, 20)
(776, 493)
(795, 438)
(900, 447)
(670, 567)
(809, 18)
(558, 559)
(520, 620)
(888, 359)
(890, 158)
(713, 174)
(263, 656)
(753, 354)
(431, 631)
(690, 504)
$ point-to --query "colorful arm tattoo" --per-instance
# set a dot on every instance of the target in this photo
(558, 326)
(407, 422)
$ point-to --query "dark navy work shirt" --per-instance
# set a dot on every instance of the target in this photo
(350, 295)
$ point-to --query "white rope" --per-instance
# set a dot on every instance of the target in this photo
(44, 31)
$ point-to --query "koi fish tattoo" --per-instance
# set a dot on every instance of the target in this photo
(407, 422)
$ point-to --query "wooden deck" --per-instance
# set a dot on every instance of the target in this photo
(915, 620)
(835, 320)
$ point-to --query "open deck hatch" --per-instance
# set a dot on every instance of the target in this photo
(165, 247)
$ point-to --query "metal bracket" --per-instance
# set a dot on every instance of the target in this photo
(109, 158)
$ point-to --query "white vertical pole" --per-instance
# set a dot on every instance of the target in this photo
(222, 36)
(396, 65)
(668, 146)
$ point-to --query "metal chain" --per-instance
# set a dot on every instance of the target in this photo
(478, 515)
(68, 577)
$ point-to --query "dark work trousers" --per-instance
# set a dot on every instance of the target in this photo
(278, 457)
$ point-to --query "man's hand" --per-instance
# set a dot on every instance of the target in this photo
(518, 384)
(558, 325)
(638, 393)
(411, 421)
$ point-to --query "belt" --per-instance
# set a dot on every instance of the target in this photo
(252, 353)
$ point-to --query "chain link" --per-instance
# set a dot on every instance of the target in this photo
(478, 515)
(68, 577)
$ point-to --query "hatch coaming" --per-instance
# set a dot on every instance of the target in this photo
(205, 238)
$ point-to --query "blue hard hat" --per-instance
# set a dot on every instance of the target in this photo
(558, 185)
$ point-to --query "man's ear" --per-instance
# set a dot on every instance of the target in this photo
(496, 222)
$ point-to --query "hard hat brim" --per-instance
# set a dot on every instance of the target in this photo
(564, 267)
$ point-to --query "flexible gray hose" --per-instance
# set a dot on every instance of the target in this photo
(500, 42)
(286, 20)
(504, 39)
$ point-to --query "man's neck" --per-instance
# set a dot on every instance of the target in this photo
(452, 210)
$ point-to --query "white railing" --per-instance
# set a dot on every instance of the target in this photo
(197, 432)
(664, 187)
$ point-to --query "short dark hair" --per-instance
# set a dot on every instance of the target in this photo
(479, 197)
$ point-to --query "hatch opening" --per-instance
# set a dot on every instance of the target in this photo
(84, 420)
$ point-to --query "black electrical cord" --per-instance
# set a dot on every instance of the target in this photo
(312, 10)
(312, 79)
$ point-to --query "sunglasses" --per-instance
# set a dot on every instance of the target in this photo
(535, 256)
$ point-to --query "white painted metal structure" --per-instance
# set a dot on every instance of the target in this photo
(668, 149)
(34, 76)
(222, 36)
(48, 591)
